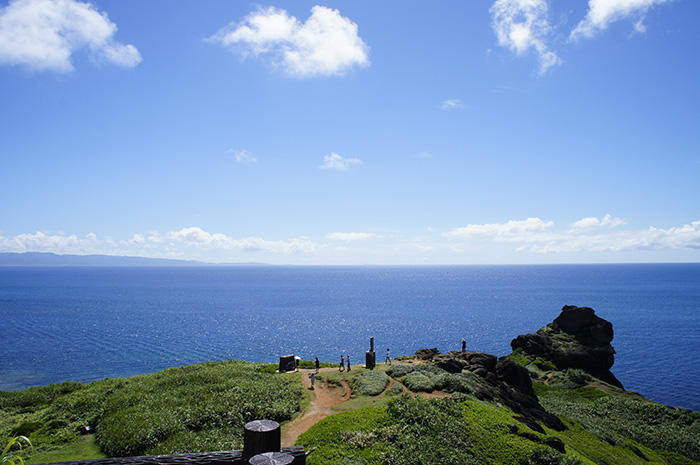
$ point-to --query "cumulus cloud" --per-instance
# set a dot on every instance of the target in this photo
(325, 44)
(522, 25)
(349, 236)
(500, 230)
(44, 34)
(593, 222)
(43, 242)
(451, 104)
(601, 13)
(338, 163)
(198, 237)
(243, 157)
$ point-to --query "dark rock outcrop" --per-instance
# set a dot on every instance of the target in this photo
(426, 354)
(504, 381)
(577, 338)
(556, 444)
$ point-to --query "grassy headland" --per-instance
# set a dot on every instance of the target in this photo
(535, 406)
(188, 409)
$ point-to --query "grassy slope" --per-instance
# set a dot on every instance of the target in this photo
(195, 408)
(203, 407)
(605, 426)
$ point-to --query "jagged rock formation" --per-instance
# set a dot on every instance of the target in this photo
(504, 381)
(577, 338)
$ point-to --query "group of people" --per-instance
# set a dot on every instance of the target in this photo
(346, 360)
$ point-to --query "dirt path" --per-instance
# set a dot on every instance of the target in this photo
(325, 397)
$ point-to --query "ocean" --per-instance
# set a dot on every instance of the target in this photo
(84, 324)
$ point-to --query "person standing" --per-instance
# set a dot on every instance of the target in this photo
(464, 345)
(348, 359)
(318, 364)
(387, 360)
(342, 364)
(313, 380)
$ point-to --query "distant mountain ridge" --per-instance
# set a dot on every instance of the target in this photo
(52, 259)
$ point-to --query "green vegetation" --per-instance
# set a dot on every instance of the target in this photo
(605, 425)
(203, 407)
(369, 383)
(413, 430)
(8, 455)
(537, 364)
(621, 418)
(429, 378)
(195, 408)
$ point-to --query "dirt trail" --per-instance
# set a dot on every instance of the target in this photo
(325, 397)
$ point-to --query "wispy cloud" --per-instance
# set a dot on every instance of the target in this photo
(338, 163)
(500, 230)
(243, 156)
(585, 235)
(451, 104)
(349, 236)
(187, 241)
(325, 44)
(601, 13)
(522, 25)
(44, 34)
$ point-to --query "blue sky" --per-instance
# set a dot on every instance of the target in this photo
(394, 132)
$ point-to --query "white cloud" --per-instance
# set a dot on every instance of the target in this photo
(350, 236)
(521, 25)
(500, 230)
(42, 242)
(680, 237)
(198, 237)
(593, 222)
(44, 34)
(586, 235)
(326, 44)
(243, 157)
(336, 162)
(601, 13)
(451, 104)
(173, 243)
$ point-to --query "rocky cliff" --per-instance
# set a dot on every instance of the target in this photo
(577, 338)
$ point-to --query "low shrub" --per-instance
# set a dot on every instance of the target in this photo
(395, 389)
(424, 381)
(398, 371)
(369, 383)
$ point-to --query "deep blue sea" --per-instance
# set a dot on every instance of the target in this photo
(84, 324)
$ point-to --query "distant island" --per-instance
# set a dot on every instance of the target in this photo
(52, 259)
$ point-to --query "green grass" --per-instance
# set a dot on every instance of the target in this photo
(188, 409)
(369, 383)
(84, 449)
(344, 436)
(413, 430)
(620, 418)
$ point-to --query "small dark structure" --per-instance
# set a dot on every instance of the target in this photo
(287, 363)
(261, 436)
(370, 356)
(272, 458)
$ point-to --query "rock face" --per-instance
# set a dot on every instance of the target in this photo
(577, 338)
(504, 381)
